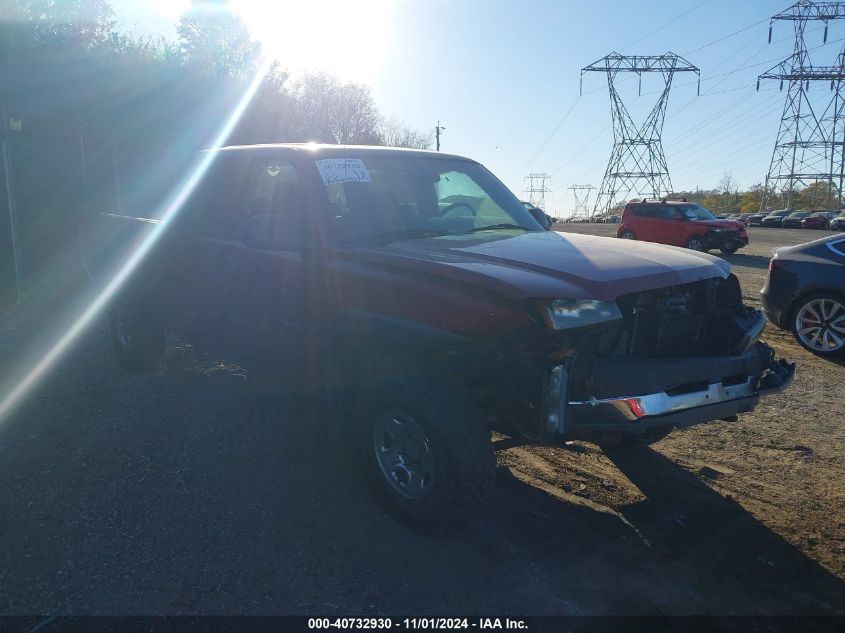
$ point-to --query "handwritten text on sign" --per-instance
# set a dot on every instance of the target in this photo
(343, 170)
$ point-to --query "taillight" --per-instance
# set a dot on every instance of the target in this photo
(772, 264)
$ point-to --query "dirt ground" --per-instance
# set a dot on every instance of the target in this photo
(785, 462)
(196, 490)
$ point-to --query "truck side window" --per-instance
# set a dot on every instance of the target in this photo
(272, 188)
(211, 209)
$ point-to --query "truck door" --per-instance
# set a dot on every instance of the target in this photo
(196, 287)
(265, 308)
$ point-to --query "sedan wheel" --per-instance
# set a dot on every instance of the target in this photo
(820, 325)
(696, 244)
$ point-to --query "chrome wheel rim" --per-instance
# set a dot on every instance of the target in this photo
(696, 245)
(404, 456)
(820, 325)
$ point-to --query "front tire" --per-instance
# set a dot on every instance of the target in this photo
(729, 250)
(627, 234)
(137, 338)
(426, 450)
(818, 324)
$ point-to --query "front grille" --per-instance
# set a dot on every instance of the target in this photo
(677, 321)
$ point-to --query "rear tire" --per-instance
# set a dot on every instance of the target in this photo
(426, 449)
(137, 338)
(818, 324)
(696, 243)
(627, 234)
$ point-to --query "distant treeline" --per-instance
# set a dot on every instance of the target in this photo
(726, 197)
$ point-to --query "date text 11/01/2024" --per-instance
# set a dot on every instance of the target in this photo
(417, 623)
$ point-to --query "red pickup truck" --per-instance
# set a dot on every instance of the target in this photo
(423, 304)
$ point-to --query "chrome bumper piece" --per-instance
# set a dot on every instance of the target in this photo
(632, 408)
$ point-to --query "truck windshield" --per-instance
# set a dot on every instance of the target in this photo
(696, 212)
(397, 197)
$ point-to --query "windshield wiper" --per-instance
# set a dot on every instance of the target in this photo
(493, 227)
(403, 234)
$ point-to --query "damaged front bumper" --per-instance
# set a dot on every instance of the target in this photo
(636, 396)
(726, 239)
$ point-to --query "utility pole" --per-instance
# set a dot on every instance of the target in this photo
(537, 189)
(10, 195)
(582, 199)
(637, 163)
(809, 145)
(437, 131)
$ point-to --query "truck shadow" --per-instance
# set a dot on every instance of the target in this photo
(684, 548)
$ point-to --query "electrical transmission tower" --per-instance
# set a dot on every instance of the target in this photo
(637, 163)
(582, 199)
(809, 145)
(537, 189)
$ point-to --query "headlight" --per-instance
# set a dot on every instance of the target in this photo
(564, 314)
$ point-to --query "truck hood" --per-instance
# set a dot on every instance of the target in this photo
(548, 264)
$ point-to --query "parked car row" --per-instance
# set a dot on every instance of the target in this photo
(784, 218)
(598, 219)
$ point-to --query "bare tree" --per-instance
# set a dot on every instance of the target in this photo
(727, 184)
(328, 110)
(395, 133)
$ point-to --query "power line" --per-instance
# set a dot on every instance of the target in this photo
(582, 199)
(551, 134)
(537, 189)
(637, 163)
(722, 39)
(808, 147)
(669, 23)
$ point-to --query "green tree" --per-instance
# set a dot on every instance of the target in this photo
(216, 41)
(821, 194)
(751, 199)
(52, 26)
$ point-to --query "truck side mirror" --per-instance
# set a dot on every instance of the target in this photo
(541, 218)
(274, 232)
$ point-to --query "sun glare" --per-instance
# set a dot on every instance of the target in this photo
(347, 39)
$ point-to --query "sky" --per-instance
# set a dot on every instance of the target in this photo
(502, 76)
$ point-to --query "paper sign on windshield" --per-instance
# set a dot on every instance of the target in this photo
(343, 170)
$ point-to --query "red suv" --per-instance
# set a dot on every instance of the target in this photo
(680, 223)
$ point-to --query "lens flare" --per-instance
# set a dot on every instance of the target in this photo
(32, 374)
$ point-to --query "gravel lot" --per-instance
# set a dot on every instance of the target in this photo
(198, 490)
